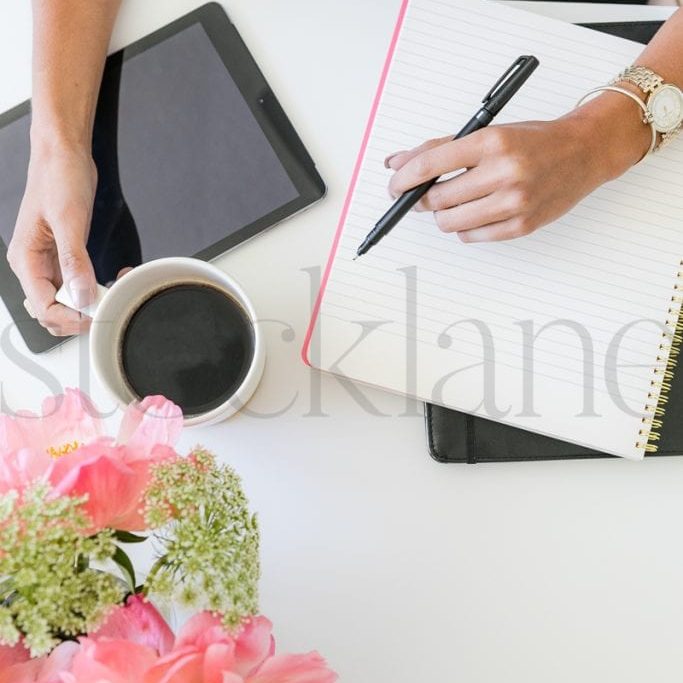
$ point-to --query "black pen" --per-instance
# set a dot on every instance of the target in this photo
(499, 95)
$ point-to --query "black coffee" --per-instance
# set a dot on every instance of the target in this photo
(191, 343)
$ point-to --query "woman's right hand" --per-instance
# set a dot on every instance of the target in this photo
(48, 247)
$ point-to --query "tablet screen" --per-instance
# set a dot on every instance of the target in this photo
(182, 160)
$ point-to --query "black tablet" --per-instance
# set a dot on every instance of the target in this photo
(194, 154)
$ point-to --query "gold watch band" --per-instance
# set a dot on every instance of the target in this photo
(642, 77)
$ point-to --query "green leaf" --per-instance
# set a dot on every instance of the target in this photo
(82, 563)
(127, 537)
(6, 586)
(126, 566)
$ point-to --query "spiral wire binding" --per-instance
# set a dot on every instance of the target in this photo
(667, 360)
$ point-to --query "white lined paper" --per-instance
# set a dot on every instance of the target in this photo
(609, 262)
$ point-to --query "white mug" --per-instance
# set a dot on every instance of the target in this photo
(114, 307)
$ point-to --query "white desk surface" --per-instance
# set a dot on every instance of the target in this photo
(396, 568)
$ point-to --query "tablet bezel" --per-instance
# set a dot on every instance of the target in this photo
(266, 110)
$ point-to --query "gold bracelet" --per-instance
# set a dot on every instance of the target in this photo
(647, 118)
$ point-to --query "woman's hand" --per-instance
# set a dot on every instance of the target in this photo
(48, 245)
(70, 41)
(522, 176)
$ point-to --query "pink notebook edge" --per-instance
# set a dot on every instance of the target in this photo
(352, 184)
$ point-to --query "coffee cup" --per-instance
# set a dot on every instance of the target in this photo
(177, 326)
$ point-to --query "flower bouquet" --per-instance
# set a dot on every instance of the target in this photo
(72, 610)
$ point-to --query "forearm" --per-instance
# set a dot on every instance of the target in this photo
(664, 54)
(70, 40)
(611, 124)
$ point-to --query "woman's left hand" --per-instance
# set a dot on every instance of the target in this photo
(522, 176)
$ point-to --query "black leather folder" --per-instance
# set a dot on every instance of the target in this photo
(458, 437)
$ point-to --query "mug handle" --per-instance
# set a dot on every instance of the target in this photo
(63, 296)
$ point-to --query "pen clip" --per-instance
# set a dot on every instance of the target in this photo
(500, 83)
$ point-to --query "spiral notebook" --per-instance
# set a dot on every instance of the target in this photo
(570, 332)
(454, 437)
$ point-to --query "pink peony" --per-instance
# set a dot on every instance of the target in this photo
(155, 420)
(43, 669)
(127, 649)
(12, 654)
(20, 468)
(205, 653)
(139, 622)
(65, 419)
(112, 480)
(65, 446)
(108, 661)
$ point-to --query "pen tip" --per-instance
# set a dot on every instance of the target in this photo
(355, 257)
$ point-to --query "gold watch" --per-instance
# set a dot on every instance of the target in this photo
(664, 101)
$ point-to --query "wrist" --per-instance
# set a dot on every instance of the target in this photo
(53, 129)
(49, 138)
(49, 147)
(612, 132)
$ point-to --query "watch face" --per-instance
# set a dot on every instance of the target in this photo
(666, 106)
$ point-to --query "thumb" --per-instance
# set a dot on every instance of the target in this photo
(77, 270)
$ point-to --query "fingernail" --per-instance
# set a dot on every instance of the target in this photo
(29, 308)
(387, 161)
(81, 292)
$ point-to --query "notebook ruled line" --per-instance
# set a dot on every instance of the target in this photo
(536, 373)
(494, 311)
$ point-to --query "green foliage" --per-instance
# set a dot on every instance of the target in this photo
(208, 554)
(209, 541)
(48, 590)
